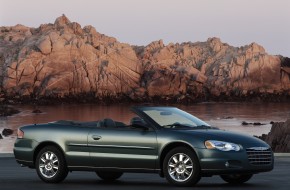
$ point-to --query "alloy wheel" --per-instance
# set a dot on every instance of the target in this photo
(180, 167)
(48, 164)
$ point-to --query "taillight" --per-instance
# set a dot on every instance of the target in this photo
(20, 134)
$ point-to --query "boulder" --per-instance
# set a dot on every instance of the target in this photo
(44, 45)
(246, 123)
(255, 123)
(7, 132)
(62, 21)
(36, 111)
(7, 110)
(227, 117)
(279, 136)
(258, 123)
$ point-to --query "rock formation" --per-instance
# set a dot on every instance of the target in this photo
(279, 136)
(63, 59)
(7, 111)
(7, 132)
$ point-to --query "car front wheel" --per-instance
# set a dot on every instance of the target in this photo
(109, 176)
(237, 178)
(50, 165)
(181, 167)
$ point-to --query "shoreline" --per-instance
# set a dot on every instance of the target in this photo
(89, 98)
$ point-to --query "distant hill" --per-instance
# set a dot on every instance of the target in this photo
(65, 60)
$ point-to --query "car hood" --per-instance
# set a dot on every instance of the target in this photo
(245, 140)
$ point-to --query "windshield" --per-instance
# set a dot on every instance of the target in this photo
(170, 117)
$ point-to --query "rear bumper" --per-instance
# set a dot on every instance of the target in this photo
(29, 164)
(24, 151)
(215, 162)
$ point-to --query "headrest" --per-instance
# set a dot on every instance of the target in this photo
(109, 123)
(137, 120)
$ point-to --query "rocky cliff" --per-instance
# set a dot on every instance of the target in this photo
(63, 59)
(279, 136)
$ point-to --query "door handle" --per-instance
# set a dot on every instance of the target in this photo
(96, 137)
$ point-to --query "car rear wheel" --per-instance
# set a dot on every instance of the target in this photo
(109, 176)
(50, 165)
(237, 178)
(181, 167)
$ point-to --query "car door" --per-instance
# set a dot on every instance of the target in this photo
(123, 148)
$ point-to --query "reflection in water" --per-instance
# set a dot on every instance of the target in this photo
(212, 113)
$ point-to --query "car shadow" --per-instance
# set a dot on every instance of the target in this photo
(162, 184)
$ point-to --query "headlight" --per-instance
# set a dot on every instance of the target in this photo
(220, 145)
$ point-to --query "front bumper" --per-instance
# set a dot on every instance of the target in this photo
(216, 162)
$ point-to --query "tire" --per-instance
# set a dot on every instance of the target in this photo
(181, 167)
(109, 176)
(237, 178)
(50, 165)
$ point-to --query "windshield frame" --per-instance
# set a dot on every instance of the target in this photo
(140, 110)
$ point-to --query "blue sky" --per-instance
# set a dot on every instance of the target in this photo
(138, 22)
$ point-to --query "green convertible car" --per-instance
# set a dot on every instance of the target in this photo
(164, 140)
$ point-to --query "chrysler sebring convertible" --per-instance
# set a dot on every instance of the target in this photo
(163, 140)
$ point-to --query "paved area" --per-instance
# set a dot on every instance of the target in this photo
(13, 177)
